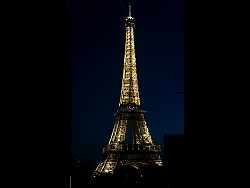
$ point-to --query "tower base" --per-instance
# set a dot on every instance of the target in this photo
(119, 155)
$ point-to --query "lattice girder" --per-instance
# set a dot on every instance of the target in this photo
(133, 117)
(129, 89)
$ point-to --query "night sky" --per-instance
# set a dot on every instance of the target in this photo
(98, 40)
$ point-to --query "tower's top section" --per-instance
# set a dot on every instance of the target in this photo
(130, 89)
(130, 21)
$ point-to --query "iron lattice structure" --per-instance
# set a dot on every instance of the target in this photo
(142, 151)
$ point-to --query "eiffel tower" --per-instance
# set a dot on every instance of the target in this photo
(142, 151)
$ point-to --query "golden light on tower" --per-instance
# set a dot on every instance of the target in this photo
(142, 151)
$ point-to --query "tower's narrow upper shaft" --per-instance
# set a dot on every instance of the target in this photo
(130, 90)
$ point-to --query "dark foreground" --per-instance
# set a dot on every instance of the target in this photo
(153, 175)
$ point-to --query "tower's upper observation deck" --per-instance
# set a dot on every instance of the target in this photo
(130, 21)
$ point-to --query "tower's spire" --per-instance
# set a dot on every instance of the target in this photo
(129, 13)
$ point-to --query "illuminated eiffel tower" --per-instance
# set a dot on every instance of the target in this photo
(142, 151)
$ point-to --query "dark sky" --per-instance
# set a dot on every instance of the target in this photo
(98, 40)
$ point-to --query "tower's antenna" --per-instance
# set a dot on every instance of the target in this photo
(129, 13)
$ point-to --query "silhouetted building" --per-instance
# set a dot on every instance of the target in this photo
(174, 159)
